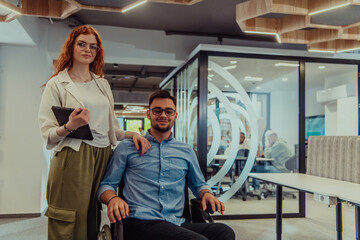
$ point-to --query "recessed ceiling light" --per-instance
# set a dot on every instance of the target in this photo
(210, 75)
(113, 78)
(209, 69)
(226, 86)
(210, 79)
(321, 67)
(284, 79)
(233, 62)
(229, 67)
(258, 87)
(286, 65)
(255, 79)
(115, 65)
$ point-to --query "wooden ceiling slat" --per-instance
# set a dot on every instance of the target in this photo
(296, 27)
(295, 7)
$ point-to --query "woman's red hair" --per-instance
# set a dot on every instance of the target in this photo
(66, 56)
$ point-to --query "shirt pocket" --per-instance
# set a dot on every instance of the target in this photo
(178, 168)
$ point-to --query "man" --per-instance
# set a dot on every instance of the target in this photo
(154, 183)
(278, 150)
(244, 143)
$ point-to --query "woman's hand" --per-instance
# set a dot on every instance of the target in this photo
(141, 141)
(78, 118)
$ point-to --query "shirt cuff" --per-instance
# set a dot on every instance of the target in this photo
(202, 188)
(102, 189)
(54, 137)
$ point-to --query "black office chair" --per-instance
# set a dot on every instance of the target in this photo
(193, 213)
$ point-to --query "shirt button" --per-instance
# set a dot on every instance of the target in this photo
(162, 174)
(162, 187)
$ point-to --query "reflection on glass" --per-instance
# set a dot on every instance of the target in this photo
(186, 105)
(245, 101)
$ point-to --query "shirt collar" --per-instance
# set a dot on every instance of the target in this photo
(150, 138)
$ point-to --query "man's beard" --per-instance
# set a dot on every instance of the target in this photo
(161, 129)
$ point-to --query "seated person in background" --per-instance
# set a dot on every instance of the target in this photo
(276, 149)
(244, 143)
(154, 183)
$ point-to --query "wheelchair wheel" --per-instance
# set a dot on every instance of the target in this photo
(105, 233)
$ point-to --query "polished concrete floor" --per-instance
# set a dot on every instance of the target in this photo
(319, 223)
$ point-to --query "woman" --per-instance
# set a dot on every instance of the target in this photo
(78, 166)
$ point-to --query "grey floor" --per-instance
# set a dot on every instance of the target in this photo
(319, 223)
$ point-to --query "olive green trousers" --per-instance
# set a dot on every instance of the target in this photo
(74, 177)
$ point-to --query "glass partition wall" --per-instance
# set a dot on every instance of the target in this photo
(253, 113)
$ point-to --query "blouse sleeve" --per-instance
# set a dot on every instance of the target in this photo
(47, 121)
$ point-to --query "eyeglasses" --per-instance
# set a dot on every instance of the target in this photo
(158, 111)
(83, 45)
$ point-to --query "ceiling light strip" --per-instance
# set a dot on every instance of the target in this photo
(266, 33)
(134, 5)
(256, 32)
(10, 7)
(346, 50)
(278, 38)
(330, 8)
(321, 51)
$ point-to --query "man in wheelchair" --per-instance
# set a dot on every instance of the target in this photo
(154, 183)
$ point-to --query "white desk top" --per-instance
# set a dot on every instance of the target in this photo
(347, 191)
(225, 157)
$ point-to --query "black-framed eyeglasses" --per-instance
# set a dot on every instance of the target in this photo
(158, 111)
(92, 47)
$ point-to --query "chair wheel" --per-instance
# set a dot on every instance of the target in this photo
(105, 233)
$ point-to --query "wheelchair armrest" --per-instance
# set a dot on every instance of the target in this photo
(198, 215)
(197, 203)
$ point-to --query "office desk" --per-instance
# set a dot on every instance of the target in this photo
(340, 190)
(239, 164)
(225, 157)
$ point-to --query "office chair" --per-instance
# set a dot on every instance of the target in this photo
(193, 213)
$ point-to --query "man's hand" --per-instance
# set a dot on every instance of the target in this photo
(117, 209)
(216, 205)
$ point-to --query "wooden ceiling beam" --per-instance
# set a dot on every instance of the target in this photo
(298, 37)
(294, 7)
(269, 25)
(351, 33)
(296, 26)
(293, 23)
(46, 8)
(323, 46)
(322, 35)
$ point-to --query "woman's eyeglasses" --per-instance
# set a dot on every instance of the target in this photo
(158, 111)
(92, 47)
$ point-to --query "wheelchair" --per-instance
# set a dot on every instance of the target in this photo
(193, 212)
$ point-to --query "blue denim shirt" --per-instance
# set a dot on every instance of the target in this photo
(154, 182)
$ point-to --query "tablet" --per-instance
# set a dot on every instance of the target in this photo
(62, 116)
